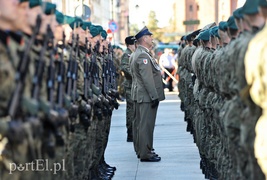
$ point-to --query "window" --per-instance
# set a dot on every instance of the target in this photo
(191, 8)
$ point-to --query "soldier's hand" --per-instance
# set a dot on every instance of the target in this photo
(16, 132)
(155, 103)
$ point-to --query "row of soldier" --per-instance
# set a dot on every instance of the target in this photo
(57, 94)
(215, 90)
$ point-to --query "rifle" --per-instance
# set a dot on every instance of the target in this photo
(61, 75)
(85, 108)
(16, 97)
(113, 93)
(61, 114)
(21, 72)
(73, 111)
(95, 85)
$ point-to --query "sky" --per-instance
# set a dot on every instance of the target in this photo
(140, 15)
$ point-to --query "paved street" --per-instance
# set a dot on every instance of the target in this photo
(179, 155)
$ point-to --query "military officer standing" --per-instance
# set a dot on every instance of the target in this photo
(125, 67)
(149, 92)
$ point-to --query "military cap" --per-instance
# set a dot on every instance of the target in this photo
(59, 17)
(208, 26)
(34, 3)
(100, 28)
(62, 19)
(94, 30)
(143, 32)
(188, 37)
(49, 8)
(104, 34)
(238, 13)
(86, 25)
(195, 33)
(204, 35)
(223, 26)
(130, 40)
(231, 23)
(195, 42)
(184, 37)
(78, 22)
(68, 19)
(217, 33)
(197, 37)
(213, 30)
(262, 3)
(250, 7)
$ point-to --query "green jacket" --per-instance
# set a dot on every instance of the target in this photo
(146, 71)
(125, 67)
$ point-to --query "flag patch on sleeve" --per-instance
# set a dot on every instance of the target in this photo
(145, 61)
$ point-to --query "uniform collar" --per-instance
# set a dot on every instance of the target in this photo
(17, 37)
(143, 47)
(4, 36)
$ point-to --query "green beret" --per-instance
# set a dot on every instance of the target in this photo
(104, 34)
(213, 31)
(94, 30)
(50, 8)
(250, 7)
(238, 13)
(78, 22)
(21, 1)
(262, 3)
(205, 35)
(68, 19)
(231, 23)
(223, 26)
(34, 3)
(86, 25)
(100, 28)
(217, 33)
(59, 17)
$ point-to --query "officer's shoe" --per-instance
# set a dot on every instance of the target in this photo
(151, 159)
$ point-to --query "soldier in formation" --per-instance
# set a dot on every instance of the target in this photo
(127, 84)
(58, 91)
(222, 89)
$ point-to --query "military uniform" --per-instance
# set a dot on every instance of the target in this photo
(127, 84)
(149, 88)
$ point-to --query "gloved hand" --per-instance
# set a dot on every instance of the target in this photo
(155, 103)
(16, 132)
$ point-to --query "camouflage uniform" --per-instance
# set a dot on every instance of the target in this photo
(127, 84)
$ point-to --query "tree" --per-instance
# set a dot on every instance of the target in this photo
(152, 25)
(133, 29)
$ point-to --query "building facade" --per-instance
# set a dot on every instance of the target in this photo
(195, 14)
(100, 12)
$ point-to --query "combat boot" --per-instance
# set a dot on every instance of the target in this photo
(108, 166)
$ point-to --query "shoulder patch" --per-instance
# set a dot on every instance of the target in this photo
(145, 61)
